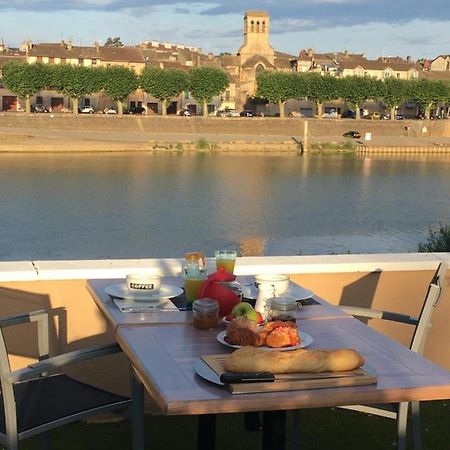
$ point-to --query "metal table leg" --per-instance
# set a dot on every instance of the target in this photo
(206, 432)
(137, 412)
(274, 430)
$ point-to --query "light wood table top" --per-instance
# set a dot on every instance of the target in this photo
(164, 356)
(321, 310)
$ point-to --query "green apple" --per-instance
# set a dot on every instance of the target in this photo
(241, 309)
(252, 315)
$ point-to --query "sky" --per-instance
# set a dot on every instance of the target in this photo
(415, 28)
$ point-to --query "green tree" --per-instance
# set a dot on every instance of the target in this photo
(357, 90)
(119, 82)
(277, 87)
(438, 240)
(76, 81)
(205, 83)
(25, 80)
(163, 84)
(113, 42)
(321, 89)
(395, 92)
(427, 93)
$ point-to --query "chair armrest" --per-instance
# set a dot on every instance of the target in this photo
(35, 369)
(380, 314)
(32, 316)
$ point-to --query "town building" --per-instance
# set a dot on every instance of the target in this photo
(256, 54)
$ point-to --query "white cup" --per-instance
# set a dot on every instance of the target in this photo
(279, 282)
(142, 282)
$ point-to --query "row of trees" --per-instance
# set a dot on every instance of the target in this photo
(117, 82)
(278, 87)
(204, 83)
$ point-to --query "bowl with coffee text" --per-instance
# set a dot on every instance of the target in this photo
(142, 282)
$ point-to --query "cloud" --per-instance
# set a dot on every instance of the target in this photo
(322, 12)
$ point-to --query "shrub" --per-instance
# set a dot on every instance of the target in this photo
(437, 241)
(202, 144)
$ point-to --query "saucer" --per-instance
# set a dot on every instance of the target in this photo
(121, 291)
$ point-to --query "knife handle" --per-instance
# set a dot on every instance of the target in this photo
(246, 377)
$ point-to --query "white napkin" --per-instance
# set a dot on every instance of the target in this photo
(126, 305)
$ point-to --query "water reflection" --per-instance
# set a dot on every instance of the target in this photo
(135, 205)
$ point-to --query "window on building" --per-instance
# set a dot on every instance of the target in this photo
(51, 60)
(39, 59)
(80, 61)
(264, 27)
(257, 26)
(252, 26)
(259, 69)
(63, 61)
(227, 95)
(94, 61)
(386, 74)
(39, 100)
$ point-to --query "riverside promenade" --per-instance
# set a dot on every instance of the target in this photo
(99, 133)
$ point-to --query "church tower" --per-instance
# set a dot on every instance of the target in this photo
(256, 37)
(255, 55)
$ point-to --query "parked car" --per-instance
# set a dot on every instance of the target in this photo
(246, 113)
(232, 113)
(352, 134)
(137, 110)
(348, 114)
(87, 110)
(373, 116)
(39, 109)
(109, 111)
(399, 117)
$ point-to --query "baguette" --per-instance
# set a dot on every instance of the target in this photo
(252, 359)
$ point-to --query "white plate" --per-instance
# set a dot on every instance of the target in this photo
(295, 291)
(305, 338)
(121, 291)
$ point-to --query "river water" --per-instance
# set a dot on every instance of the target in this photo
(136, 205)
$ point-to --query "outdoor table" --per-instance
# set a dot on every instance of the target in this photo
(163, 354)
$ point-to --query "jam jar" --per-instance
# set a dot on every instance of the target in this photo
(205, 313)
(282, 308)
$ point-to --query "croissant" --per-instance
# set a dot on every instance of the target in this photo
(242, 331)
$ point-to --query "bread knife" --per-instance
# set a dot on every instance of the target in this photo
(262, 377)
(247, 377)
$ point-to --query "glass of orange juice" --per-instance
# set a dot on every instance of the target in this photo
(226, 259)
(194, 275)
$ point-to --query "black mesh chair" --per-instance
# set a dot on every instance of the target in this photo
(422, 323)
(34, 402)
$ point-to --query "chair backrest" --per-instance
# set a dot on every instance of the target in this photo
(432, 298)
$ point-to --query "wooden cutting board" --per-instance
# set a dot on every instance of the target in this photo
(322, 380)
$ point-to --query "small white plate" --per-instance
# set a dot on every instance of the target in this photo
(305, 338)
(251, 292)
(121, 291)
